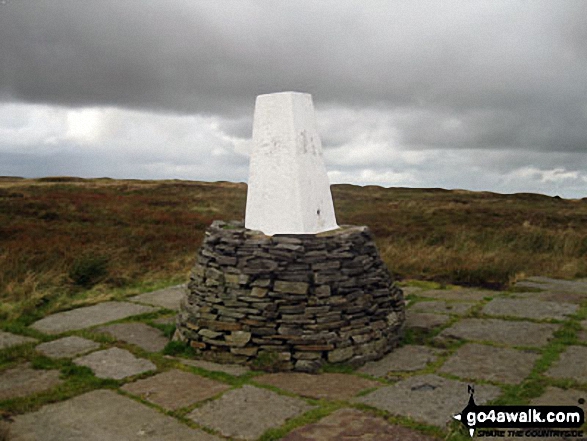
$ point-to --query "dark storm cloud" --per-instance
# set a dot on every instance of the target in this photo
(502, 81)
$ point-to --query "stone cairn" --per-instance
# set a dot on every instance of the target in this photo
(289, 289)
(290, 301)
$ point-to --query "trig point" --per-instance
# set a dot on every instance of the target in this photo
(288, 289)
(288, 190)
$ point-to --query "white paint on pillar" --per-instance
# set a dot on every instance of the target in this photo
(288, 189)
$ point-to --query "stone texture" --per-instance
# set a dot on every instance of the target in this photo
(88, 316)
(144, 336)
(462, 294)
(67, 347)
(167, 298)
(424, 321)
(175, 389)
(354, 425)
(327, 296)
(247, 412)
(554, 296)
(230, 369)
(406, 358)
(288, 189)
(530, 308)
(164, 321)
(23, 380)
(572, 364)
(514, 333)
(547, 283)
(327, 386)
(428, 399)
(102, 415)
(554, 396)
(115, 363)
(8, 339)
(482, 362)
(441, 307)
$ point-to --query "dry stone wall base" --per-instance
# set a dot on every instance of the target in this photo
(290, 302)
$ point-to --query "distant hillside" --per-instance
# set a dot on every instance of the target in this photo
(63, 237)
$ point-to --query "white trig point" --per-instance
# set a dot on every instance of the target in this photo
(288, 190)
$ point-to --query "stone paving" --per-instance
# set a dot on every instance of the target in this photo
(8, 340)
(115, 363)
(460, 337)
(67, 347)
(23, 380)
(144, 336)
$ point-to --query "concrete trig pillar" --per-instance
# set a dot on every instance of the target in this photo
(288, 189)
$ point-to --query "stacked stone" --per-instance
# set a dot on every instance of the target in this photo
(288, 302)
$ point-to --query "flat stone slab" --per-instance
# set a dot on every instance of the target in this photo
(175, 389)
(407, 290)
(230, 369)
(560, 397)
(458, 294)
(102, 415)
(406, 358)
(428, 398)
(442, 307)
(67, 347)
(167, 298)
(530, 308)
(572, 364)
(424, 321)
(514, 333)
(247, 412)
(354, 425)
(8, 340)
(144, 336)
(482, 362)
(546, 283)
(115, 363)
(89, 316)
(554, 296)
(327, 386)
(23, 380)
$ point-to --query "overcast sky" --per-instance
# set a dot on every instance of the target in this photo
(479, 95)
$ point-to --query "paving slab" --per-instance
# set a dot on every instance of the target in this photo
(428, 398)
(247, 412)
(24, 380)
(140, 334)
(547, 283)
(458, 294)
(67, 347)
(89, 316)
(514, 333)
(102, 415)
(230, 369)
(561, 397)
(8, 340)
(442, 307)
(482, 362)
(115, 363)
(175, 389)
(328, 386)
(354, 425)
(424, 321)
(571, 364)
(167, 298)
(406, 358)
(530, 308)
(554, 296)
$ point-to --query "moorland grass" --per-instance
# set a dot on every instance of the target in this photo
(70, 241)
